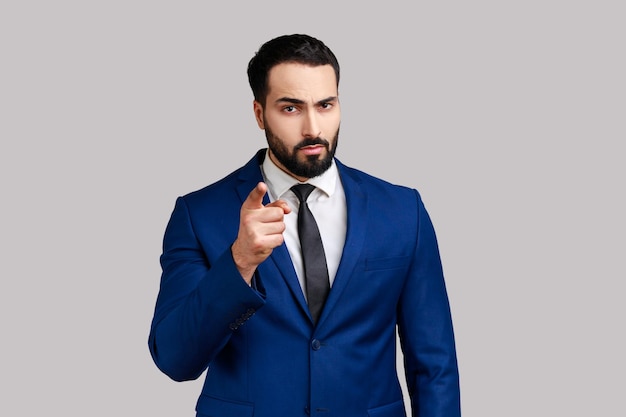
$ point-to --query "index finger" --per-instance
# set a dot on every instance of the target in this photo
(255, 198)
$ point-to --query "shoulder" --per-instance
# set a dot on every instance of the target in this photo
(228, 189)
(219, 187)
(371, 185)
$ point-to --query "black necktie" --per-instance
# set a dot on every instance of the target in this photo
(313, 257)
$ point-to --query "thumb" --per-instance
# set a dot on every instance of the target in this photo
(255, 198)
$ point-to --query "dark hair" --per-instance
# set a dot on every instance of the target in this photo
(301, 49)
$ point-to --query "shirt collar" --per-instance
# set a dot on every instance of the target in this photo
(279, 182)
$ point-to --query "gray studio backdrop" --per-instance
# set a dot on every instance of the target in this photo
(507, 116)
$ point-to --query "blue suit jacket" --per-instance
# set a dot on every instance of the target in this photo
(265, 358)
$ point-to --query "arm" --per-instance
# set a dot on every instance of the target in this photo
(197, 302)
(201, 304)
(425, 328)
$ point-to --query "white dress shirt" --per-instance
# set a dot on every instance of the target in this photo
(328, 205)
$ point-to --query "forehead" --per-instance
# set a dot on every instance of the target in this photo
(302, 81)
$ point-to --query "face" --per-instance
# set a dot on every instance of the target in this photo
(301, 118)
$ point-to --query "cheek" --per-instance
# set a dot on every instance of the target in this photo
(286, 129)
(331, 126)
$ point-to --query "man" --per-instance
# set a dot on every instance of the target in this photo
(283, 335)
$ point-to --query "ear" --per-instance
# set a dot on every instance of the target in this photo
(258, 114)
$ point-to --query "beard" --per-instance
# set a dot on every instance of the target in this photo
(313, 166)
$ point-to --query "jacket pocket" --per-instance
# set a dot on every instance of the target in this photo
(389, 410)
(378, 264)
(214, 407)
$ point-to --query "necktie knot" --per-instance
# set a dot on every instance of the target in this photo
(302, 191)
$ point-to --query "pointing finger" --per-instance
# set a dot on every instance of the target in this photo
(255, 198)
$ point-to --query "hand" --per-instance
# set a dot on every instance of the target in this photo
(260, 231)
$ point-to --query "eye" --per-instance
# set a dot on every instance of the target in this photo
(326, 106)
(289, 109)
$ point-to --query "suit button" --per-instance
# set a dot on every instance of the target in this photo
(233, 326)
(316, 344)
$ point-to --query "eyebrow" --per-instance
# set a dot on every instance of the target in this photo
(298, 101)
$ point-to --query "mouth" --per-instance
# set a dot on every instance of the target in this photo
(312, 149)
(312, 146)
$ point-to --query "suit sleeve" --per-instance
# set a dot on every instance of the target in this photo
(425, 329)
(200, 304)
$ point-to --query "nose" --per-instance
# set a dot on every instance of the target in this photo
(311, 125)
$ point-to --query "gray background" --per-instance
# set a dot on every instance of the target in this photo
(508, 116)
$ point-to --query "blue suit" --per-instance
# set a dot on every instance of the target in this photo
(265, 358)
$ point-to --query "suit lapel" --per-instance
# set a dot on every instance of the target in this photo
(357, 208)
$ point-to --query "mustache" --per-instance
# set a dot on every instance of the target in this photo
(311, 142)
